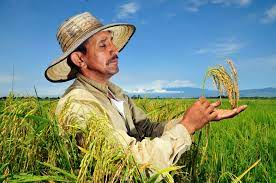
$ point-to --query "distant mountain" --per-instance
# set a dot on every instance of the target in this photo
(189, 92)
(265, 92)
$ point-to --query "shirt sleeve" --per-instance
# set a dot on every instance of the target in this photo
(169, 140)
(159, 152)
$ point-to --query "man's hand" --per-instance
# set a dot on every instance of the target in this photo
(202, 112)
(224, 113)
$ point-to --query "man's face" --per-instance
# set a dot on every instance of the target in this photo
(102, 55)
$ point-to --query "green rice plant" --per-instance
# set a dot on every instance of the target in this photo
(34, 149)
(233, 145)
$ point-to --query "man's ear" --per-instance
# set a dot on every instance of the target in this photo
(77, 59)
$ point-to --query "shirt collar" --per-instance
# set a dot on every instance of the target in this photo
(98, 86)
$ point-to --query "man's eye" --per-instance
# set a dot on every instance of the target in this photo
(102, 45)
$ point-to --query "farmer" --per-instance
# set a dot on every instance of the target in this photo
(90, 56)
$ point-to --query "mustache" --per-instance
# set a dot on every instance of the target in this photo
(112, 59)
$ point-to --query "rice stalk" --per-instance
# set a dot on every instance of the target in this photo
(31, 143)
(27, 135)
(238, 179)
(225, 82)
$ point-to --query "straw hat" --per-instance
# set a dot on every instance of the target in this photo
(73, 32)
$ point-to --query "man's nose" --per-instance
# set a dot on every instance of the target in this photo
(114, 49)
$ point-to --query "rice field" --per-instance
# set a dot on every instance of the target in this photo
(32, 149)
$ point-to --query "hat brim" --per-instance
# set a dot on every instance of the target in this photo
(60, 70)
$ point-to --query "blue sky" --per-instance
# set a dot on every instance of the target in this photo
(175, 41)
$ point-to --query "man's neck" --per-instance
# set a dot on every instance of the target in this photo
(97, 78)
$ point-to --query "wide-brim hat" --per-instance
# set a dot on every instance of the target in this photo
(73, 32)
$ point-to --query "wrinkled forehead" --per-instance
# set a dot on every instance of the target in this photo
(104, 33)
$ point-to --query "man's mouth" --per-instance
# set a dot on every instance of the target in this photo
(113, 60)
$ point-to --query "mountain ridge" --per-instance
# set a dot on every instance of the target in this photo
(192, 92)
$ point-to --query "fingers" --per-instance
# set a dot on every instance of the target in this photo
(230, 114)
(237, 110)
(205, 103)
(213, 116)
(233, 112)
(212, 106)
(216, 104)
(210, 109)
(241, 108)
(202, 99)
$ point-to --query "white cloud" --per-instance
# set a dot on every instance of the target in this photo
(171, 15)
(162, 86)
(171, 84)
(269, 15)
(258, 68)
(6, 79)
(52, 89)
(127, 10)
(43, 90)
(221, 48)
(261, 62)
(231, 2)
(143, 22)
(195, 5)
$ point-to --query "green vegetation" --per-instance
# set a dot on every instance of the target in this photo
(33, 150)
